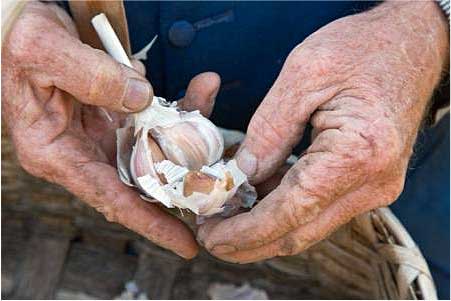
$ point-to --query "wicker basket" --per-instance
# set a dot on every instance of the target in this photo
(372, 257)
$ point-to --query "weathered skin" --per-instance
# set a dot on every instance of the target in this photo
(363, 82)
(52, 85)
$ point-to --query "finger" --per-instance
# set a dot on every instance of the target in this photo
(201, 93)
(139, 67)
(98, 184)
(278, 124)
(311, 185)
(293, 242)
(209, 224)
(90, 75)
(338, 213)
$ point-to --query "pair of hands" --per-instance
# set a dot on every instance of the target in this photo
(363, 82)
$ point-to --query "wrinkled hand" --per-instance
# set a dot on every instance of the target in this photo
(363, 82)
(52, 87)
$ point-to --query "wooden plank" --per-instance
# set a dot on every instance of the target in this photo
(156, 277)
(44, 260)
(14, 242)
(97, 271)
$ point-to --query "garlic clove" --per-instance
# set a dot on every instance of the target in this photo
(188, 144)
(196, 181)
(155, 150)
(177, 143)
(124, 145)
(145, 154)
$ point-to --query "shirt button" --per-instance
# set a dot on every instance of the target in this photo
(181, 33)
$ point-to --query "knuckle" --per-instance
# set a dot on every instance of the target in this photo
(32, 163)
(383, 140)
(300, 208)
(311, 60)
(374, 147)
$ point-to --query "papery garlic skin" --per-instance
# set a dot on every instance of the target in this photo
(145, 154)
(169, 145)
(212, 203)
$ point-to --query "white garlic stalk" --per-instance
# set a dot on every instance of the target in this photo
(174, 157)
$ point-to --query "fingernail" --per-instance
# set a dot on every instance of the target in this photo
(223, 249)
(137, 94)
(247, 162)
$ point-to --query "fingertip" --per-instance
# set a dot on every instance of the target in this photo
(171, 233)
(214, 82)
(218, 232)
(209, 78)
(201, 93)
(213, 78)
(189, 253)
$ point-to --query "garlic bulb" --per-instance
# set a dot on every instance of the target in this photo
(174, 157)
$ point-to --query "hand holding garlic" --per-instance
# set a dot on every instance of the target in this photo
(363, 82)
(52, 115)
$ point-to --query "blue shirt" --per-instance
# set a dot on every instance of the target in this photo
(245, 42)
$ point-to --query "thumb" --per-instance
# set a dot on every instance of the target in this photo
(92, 76)
(278, 123)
